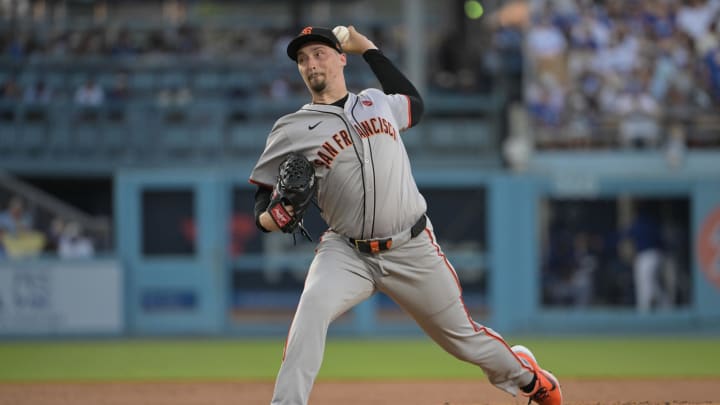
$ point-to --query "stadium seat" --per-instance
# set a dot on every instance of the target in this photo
(206, 121)
(34, 121)
(171, 79)
(476, 134)
(142, 83)
(249, 136)
(7, 134)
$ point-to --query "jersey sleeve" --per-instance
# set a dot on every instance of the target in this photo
(277, 147)
(400, 107)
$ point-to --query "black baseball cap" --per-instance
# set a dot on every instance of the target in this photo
(313, 34)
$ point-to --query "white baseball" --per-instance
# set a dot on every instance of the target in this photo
(341, 33)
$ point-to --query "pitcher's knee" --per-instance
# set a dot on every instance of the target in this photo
(314, 306)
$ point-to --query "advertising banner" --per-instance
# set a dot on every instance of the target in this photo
(61, 297)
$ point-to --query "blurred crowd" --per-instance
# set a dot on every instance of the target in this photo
(646, 70)
(114, 65)
(108, 42)
(22, 237)
(593, 73)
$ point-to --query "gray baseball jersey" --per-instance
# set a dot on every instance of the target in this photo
(367, 191)
(365, 188)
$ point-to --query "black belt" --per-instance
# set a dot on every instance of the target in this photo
(381, 245)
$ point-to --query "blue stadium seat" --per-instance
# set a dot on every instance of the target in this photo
(59, 131)
(76, 79)
(142, 126)
(116, 128)
(243, 80)
(207, 121)
(8, 125)
(106, 79)
(449, 133)
(7, 135)
(177, 138)
(248, 136)
(86, 129)
(32, 137)
(171, 124)
(56, 80)
(171, 79)
(209, 82)
(32, 131)
(142, 83)
(27, 78)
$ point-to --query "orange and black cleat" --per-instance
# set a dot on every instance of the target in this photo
(547, 388)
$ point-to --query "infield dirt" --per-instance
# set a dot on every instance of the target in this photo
(657, 391)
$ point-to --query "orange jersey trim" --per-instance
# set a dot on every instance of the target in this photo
(257, 183)
(474, 325)
(409, 112)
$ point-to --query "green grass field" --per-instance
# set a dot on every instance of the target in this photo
(209, 359)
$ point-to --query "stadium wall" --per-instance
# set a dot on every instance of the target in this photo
(512, 255)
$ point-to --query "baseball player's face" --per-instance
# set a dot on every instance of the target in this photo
(320, 66)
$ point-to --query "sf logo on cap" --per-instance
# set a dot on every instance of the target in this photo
(306, 31)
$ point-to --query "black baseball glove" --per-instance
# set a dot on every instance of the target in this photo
(296, 186)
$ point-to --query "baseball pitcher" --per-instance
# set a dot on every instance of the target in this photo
(345, 151)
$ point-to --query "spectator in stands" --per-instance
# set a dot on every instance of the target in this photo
(15, 218)
(35, 98)
(666, 67)
(10, 89)
(19, 238)
(583, 45)
(10, 94)
(92, 42)
(546, 46)
(89, 97)
(639, 114)
(695, 16)
(673, 42)
(174, 96)
(580, 119)
(590, 84)
(546, 102)
(73, 244)
(123, 45)
(173, 99)
(117, 96)
(21, 45)
(621, 54)
(53, 232)
(56, 44)
(90, 94)
(659, 18)
(187, 40)
(712, 69)
(119, 90)
(709, 40)
(39, 93)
